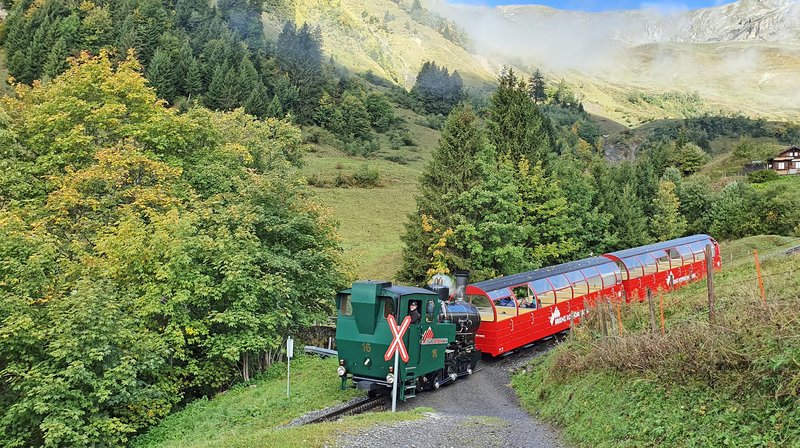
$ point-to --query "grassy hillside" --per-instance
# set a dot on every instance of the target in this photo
(250, 416)
(372, 219)
(386, 37)
(731, 383)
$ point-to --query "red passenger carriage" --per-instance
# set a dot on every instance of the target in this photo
(664, 266)
(522, 308)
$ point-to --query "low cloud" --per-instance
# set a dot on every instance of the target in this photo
(668, 46)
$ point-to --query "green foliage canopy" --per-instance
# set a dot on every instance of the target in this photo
(146, 257)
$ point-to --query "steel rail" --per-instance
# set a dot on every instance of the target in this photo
(358, 407)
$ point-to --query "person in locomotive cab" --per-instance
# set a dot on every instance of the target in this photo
(412, 311)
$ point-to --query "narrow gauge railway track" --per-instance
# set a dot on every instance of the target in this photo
(358, 407)
(382, 402)
(524, 353)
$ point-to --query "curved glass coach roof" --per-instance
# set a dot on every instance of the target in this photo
(510, 281)
(658, 246)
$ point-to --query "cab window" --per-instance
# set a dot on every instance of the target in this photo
(388, 307)
(429, 311)
(345, 307)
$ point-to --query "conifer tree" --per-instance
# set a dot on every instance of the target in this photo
(161, 74)
(299, 54)
(666, 222)
(454, 168)
(275, 109)
(193, 84)
(516, 126)
(356, 119)
(248, 77)
(258, 103)
(223, 91)
(629, 222)
(537, 86)
(57, 59)
(436, 89)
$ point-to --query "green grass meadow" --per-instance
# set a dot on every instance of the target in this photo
(733, 383)
(371, 220)
(252, 415)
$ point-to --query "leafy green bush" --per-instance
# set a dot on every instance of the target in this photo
(361, 147)
(433, 121)
(762, 176)
(366, 176)
(397, 159)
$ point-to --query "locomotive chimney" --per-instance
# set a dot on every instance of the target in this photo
(444, 293)
(462, 278)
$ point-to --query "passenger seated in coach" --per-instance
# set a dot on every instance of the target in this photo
(527, 302)
(508, 301)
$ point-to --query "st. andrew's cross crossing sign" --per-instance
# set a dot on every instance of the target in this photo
(397, 342)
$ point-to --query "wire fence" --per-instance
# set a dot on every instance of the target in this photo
(732, 290)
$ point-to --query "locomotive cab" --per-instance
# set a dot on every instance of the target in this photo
(363, 337)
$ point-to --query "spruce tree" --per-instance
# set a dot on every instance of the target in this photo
(629, 222)
(193, 84)
(299, 54)
(248, 77)
(517, 127)
(56, 60)
(161, 74)
(356, 119)
(275, 109)
(455, 167)
(258, 103)
(223, 91)
(537, 86)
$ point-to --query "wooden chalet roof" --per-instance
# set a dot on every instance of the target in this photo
(784, 155)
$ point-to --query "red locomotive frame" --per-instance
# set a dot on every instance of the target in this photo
(559, 294)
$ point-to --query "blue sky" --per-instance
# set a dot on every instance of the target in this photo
(600, 5)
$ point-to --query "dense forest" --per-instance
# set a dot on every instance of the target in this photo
(530, 186)
(158, 242)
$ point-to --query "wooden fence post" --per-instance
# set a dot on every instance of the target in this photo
(619, 317)
(652, 311)
(710, 281)
(661, 305)
(602, 312)
(760, 280)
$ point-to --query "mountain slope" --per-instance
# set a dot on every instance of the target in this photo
(742, 57)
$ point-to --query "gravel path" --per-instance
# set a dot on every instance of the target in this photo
(479, 411)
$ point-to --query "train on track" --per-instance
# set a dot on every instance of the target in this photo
(454, 328)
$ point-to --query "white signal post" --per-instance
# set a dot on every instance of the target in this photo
(289, 356)
(398, 349)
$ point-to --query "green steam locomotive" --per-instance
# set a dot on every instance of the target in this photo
(440, 343)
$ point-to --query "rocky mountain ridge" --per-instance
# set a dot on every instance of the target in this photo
(744, 20)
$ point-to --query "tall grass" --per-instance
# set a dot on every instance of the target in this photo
(733, 381)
